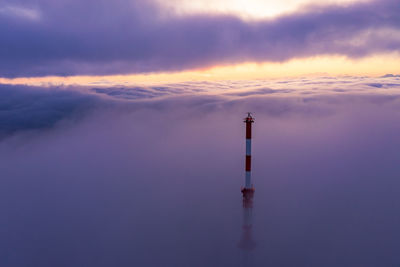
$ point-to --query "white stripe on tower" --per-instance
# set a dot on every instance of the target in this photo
(248, 147)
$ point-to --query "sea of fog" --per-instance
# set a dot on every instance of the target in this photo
(130, 175)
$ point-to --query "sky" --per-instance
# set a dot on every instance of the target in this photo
(122, 140)
(187, 40)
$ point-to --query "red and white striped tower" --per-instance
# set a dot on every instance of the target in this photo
(247, 243)
(248, 190)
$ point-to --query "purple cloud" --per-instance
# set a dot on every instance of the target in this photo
(156, 182)
(101, 37)
(28, 109)
(24, 108)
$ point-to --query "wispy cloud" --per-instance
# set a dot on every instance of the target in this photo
(19, 12)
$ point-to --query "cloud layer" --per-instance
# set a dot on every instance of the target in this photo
(27, 108)
(101, 37)
(113, 177)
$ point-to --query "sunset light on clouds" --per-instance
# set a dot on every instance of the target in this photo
(250, 9)
(100, 38)
(373, 66)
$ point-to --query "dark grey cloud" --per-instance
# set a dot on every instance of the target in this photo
(74, 37)
(25, 108)
(261, 91)
(390, 76)
(138, 92)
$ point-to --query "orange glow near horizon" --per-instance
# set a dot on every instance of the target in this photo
(319, 66)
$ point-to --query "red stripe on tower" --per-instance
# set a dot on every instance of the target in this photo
(248, 129)
(248, 163)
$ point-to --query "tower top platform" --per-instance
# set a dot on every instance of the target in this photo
(249, 118)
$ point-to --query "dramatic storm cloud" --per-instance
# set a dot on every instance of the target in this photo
(44, 37)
